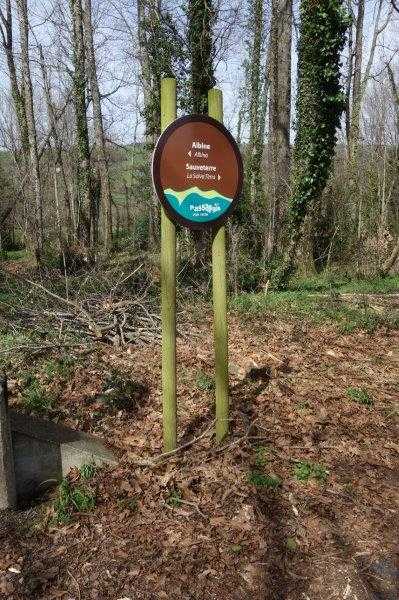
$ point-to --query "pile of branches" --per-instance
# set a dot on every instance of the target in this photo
(112, 316)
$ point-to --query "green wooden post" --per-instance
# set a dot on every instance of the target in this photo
(215, 109)
(168, 291)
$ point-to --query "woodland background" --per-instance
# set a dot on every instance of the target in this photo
(80, 85)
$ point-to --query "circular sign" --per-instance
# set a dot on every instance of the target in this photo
(197, 172)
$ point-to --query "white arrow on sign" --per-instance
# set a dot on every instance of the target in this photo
(219, 178)
(189, 153)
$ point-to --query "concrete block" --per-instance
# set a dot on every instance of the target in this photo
(36, 454)
(83, 452)
(8, 495)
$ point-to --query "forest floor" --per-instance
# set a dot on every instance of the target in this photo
(299, 503)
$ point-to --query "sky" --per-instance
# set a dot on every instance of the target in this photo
(116, 42)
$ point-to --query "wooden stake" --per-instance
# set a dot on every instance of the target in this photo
(215, 109)
(168, 291)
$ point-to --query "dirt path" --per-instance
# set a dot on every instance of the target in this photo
(197, 527)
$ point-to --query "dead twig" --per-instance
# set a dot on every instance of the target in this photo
(162, 458)
(75, 581)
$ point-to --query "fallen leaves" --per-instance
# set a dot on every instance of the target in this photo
(225, 538)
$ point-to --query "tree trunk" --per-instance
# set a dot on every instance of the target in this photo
(37, 221)
(87, 209)
(18, 99)
(148, 14)
(279, 159)
(202, 79)
(256, 80)
(201, 15)
(354, 131)
(59, 162)
(318, 85)
(391, 260)
(101, 155)
(348, 88)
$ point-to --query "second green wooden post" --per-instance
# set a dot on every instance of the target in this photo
(215, 109)
(168, 291)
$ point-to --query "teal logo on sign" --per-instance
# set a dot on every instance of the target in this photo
(197, 205)
(197, 172)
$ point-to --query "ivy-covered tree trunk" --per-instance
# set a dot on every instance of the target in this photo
(148, 17)
(100, 149)
(200, 22)
(87, 205)
(36, 222)
(354, 129)
(394, 255)
(160, 51)
(201, 17)
(254, 189)
(279, 159)
(320, 102)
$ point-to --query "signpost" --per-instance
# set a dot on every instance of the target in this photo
(198, 174)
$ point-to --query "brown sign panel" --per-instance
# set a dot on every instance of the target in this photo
(197, 172)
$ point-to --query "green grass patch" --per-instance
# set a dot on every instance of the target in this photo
(130, 504)
(9, 341)
(304, 471)
(316, 308)
(35, 398)
(61, 367)
(360, 396)
(15, 254)
(236, 548)
(291, 544)
(327, 282)
(73, 498)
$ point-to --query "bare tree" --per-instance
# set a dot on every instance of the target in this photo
(101, 154)
(59, 165)
(6, 31)
(36, 222)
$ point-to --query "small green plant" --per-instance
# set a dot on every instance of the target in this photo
(304, 471)
(236, 548)
(261, 457)
(174, 498)
(87, 471)
(204, 382)
(360, 395)
(71, 499)
(267, 481)
(61, 367)
(35, 398)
